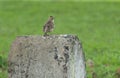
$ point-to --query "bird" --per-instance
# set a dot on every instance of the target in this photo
(49, 26)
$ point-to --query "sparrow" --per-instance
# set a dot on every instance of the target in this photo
(49, 26)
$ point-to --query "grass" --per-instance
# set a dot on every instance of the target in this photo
(97, 24)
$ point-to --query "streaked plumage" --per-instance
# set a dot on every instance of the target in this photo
(49, 26)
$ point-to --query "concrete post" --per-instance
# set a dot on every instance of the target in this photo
(55, 56)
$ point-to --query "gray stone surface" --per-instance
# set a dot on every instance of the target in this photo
(55, 56)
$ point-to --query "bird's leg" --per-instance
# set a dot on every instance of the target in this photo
(50, 33)
(45, 34)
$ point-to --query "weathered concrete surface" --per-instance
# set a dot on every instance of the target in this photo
(56, 56)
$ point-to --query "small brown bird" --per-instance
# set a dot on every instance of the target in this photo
(49, 26)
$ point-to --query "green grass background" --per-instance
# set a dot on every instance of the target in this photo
(97, 24)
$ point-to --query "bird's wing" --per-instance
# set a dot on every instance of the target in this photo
(48, 26)
(45, 28)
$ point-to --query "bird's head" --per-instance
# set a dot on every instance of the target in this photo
(51, 18)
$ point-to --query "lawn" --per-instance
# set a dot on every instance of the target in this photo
(97, 24)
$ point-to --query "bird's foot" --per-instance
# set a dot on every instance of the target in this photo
(46, 35)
